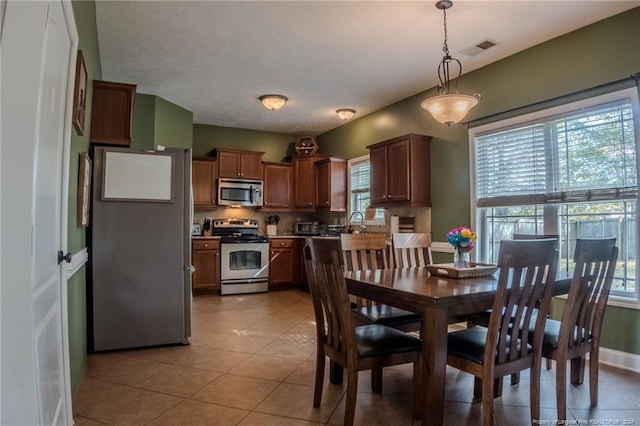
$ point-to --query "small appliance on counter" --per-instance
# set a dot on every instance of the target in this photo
(196, 231)
(307, 228)
(272, 222)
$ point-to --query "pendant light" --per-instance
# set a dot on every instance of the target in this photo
(447, 107)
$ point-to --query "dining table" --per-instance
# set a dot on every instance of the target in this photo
(441, 300)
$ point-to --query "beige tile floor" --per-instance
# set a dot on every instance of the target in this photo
(251, 362)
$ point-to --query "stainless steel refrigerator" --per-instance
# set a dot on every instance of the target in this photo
(140, 248)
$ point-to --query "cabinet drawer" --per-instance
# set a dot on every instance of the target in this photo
(206, 244)
(282, 243)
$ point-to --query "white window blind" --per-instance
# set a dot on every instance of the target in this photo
(585, 155)
(571, 171)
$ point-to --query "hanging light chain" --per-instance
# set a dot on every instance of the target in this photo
(445, 47)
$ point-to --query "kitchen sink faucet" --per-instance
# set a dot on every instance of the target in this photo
(363, 228)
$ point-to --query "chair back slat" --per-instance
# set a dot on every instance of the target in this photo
(331, 303)
(527, 272)
(595, 263)
(361, 252)
(411, 249)
(364, 251)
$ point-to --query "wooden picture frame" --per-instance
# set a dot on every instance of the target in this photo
(84, 190)
(80, 94)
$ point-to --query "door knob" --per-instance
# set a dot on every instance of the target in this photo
(63, 257)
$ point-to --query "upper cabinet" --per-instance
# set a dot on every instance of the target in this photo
(203, 174)
(112, 113)
(239, 164)
(401, 172)
(331, 184)
(304, 181)
(277, 186)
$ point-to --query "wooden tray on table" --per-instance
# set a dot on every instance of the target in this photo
(473, 271)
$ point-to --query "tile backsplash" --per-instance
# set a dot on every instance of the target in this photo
(287, 219)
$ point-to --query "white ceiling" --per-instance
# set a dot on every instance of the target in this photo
(215, 58)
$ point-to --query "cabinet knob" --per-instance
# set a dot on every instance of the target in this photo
(309, 203)
(282, 244)
(206, 245)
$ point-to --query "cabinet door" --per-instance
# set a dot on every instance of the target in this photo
(378, 163)
(251, 166)
(112, 113)
(277, 187)
(206, 276)
(304, 197)
(323, 184)
(228, 164)
(204, 184)
(398, 172)
(281, 266)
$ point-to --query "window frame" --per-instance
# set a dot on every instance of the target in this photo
(551, 214)
(379, 221)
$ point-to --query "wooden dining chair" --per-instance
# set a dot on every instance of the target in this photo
(367, 252)
(578, 331)
(411, 249)
(525, 285)
(482, 318)
(366, 347)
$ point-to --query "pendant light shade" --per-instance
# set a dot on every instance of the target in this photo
(448, 107)
(273, 102)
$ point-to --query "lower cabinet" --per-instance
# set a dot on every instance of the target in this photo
(206, 261)
(285, 267)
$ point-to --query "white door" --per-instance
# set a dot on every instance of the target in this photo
(39, 43)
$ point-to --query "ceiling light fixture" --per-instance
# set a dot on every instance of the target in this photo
(273, 102)
(345, 113)
(447, 107)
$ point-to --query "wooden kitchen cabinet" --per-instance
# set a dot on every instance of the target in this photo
(112, 113)
(304, 181)
(239, 164)
(277, 186)
(203, 182)
(285, 267)
(401, 172)
(206, 261)
(331, 184)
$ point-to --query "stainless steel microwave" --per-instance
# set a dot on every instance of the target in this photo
(239, 192)
(307, 228)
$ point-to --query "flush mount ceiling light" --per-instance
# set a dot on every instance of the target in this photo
(447, 107)
(273, 102)
(345, 113)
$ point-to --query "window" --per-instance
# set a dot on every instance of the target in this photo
(569, 170)
(359, 190)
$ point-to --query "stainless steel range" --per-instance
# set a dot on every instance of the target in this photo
(244, 256)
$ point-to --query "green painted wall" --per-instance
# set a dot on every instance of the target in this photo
(144, 110)
(173, 125)
(160, 122)
(276, 146)
(85, 16)
(606, 51)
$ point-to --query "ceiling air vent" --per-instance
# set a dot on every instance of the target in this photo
(479, 47)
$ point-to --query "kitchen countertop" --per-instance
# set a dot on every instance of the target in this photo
(202, 237)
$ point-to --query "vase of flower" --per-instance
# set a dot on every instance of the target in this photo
(461, 258)
(462, 239)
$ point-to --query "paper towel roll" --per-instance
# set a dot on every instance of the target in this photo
(395, 224)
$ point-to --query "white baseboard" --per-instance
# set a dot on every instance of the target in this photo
(619, 359)
(78, 259)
